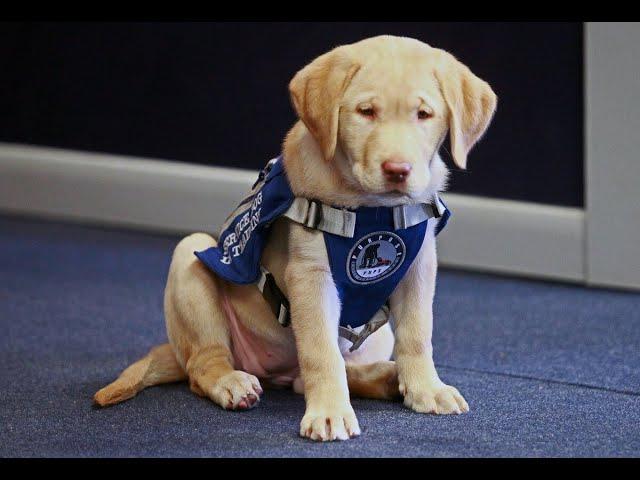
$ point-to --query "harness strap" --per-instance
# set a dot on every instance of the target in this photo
(280, 307)
(274, 297)
(358, 338)
(317, 215)
(342, 222)
(405, 216)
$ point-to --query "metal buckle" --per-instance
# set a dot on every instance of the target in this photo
(264, 172)
(358, 339)
(314, 214)
(435, 211)
(276, 300)
(284, 318)
(436, 206)
(399, 217)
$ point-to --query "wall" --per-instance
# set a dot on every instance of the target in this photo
(215, 93)
(613, 158)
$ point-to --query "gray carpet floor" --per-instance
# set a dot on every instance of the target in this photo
(548, 369)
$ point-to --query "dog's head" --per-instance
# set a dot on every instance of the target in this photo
(380, 109)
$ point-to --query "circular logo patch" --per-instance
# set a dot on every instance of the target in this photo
(374, 257)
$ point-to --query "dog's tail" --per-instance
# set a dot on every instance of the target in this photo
(159, 366)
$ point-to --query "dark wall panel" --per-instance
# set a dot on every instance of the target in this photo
(216, 93)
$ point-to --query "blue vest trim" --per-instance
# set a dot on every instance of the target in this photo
(367, 268)
(244, 235)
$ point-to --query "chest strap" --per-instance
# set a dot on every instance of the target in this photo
(342, 222)
(316, 215)
(358, 338)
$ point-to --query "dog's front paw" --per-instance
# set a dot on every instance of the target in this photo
(329, 424)
(237, 390)
(439, 399)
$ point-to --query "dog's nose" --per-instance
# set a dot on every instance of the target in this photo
(396, 172)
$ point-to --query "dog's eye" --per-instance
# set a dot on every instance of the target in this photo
(424, 114)
(367, 111)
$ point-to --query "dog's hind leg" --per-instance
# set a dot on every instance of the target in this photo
(198, 329)
(370, 373)
(378, 380)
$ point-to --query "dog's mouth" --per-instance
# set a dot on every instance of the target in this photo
(397, 190)
(397, 197)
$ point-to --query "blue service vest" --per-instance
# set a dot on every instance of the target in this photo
(366, 268)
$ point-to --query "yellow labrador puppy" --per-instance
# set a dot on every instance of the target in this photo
(373, 116)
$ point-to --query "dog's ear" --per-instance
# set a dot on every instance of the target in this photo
(471, 103)
(316, 92)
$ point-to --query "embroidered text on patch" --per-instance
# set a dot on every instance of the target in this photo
(236, 241)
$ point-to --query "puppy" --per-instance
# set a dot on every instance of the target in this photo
(373, 116)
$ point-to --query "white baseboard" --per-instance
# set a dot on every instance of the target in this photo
(486, 234)
(514, 237)
(117, 190)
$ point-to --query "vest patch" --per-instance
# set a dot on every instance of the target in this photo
(375, 257)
